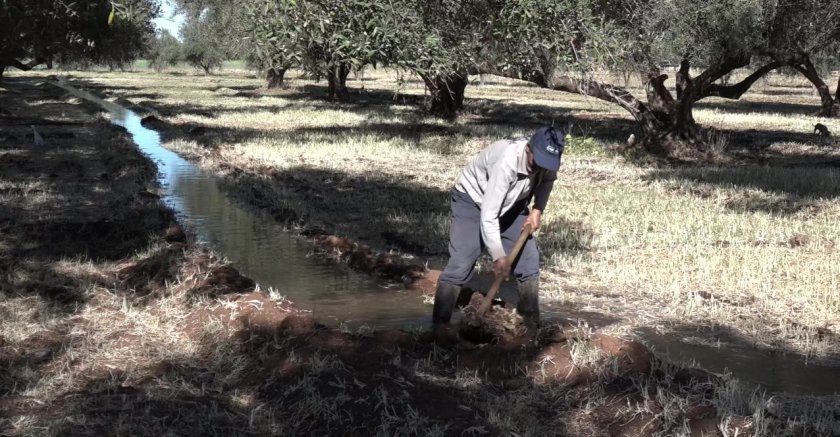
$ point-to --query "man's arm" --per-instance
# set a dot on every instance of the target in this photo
(541, 193)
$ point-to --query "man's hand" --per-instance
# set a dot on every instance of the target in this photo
(533, 219)
(501, 267)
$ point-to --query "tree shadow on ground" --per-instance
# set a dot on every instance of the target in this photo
(71, 198)
(775, 190)
(777, 368)
(479, 113)
(797, 176)
(364, 206)
(293, 377)
(746, 143)
(770, 108)
(24, 365)
(57, 226)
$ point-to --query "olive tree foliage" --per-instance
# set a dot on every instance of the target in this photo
(714, 37)
(38, 32)
(165, 51)
(540, 40)
(328, 39)
(340, 36)
(210, 34)
(274, 38)
(450, 37)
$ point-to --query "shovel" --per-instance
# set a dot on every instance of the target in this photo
(494, 289)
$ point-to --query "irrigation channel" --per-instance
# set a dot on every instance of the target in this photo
(262, 249)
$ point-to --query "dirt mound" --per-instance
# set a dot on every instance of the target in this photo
(427, 283)
(220, 280)
(151, 273)
(241, 315)
(175, 234)
(360, 257)
(498, 325)
(573, 362)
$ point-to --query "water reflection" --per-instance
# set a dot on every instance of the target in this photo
(262, 249)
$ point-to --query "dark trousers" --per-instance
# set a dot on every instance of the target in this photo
(466, 244)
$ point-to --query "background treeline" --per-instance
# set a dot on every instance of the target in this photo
(560, 45)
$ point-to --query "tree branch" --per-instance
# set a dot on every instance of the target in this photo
(606, 92)
(735, 91)
(806, 67)
(718, 70)
(658, 96)
(683, 77)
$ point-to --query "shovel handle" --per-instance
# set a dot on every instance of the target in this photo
(494, 289)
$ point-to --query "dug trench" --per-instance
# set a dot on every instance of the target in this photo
(134, 329)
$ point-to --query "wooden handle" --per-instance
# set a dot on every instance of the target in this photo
(497, 284)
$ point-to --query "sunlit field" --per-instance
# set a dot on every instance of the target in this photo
(108, 324)
(746, 240)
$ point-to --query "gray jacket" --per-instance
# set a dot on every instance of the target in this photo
(498, 178)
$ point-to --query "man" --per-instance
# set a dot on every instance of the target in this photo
(490, 208)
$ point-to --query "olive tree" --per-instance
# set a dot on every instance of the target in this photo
(445, 40)
(43, 32)
(335, 37)
(274, 38)
(581, 36)
(165, 51)
(212, 32)
(805, 34)
(328, 39)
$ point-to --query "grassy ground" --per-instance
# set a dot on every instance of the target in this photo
(107, 328)
(742, 249)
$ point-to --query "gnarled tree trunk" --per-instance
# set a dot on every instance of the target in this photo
(274, 78)
(829, 107)
(665, 122)
(337, 81)
(446, 93)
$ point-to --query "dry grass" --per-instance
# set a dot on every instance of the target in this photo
(740, 245)
(744, 244)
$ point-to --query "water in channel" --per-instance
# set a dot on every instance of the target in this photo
(260, 247)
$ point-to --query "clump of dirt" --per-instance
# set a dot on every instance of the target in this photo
(498, 325)
(360, 257)
(221, 280)
(153, 272)
(798, 240)
(241, 315)
(175, 234)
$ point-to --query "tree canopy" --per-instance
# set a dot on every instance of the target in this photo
(561, 45)
(212, 32)
(35, 32)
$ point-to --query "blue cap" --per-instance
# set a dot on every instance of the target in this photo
(547, 146)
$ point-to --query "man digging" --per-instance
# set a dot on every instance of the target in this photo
(489, 209)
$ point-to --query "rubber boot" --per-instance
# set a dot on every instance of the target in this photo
(445, 298)
(529, 307)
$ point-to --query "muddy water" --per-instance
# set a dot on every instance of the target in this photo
(276, 258)
(259, 247)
